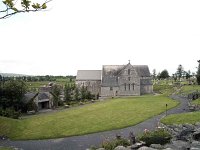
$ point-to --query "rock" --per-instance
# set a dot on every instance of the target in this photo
(196, 135)
(146, 148)
(194, 148)
(195, 144)
(184, 134)
(137, 145)
(156, 146)
(120, 148)
(189, 126)
(180, 145)
(100, 149)
(66, 106)
(197, 125)
(167, 149)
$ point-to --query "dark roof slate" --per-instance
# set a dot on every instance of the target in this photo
(28, 97)
(42, 96)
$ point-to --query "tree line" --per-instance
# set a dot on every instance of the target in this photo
(180, 73)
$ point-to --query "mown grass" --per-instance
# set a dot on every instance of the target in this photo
(6, 148)
(183, 118)
(196, 102)
(189, 88)
(107, 115)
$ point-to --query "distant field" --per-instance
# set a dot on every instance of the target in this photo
(106, 115)
(38, 84)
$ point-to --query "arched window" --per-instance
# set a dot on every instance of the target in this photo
(125, 86)
(129, 71)
(129, 87)
(133, 86)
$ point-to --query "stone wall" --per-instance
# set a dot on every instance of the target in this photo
(94, 86)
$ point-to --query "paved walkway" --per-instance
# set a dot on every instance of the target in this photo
(85, 141)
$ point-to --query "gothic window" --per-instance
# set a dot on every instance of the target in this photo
(129, 78)
(111, 88)
(129, 87)
(133, 86)
(125, 86)
(129, 71)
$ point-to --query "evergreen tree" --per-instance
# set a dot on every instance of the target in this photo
(67, 92)
(76, 94)
(180, 71)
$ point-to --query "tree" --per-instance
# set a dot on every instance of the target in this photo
(180, 71)
(12, 94)
(83, 92)
(164, 74)
(174, 76)
(188, 74)
(67, 92)
(154, 74)
(198, 73)
(12, 7)
(76, 94)
(56, 91)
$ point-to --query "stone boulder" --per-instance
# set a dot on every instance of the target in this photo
(156, 146)
(196, 135)
(146, 148)
(121, 148)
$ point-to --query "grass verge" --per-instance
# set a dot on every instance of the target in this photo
(183, 118)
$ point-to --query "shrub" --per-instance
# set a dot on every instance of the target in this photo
(110, 145)
(158, 136)
(10, 112)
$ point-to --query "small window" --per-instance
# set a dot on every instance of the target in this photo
(133, 86)
(125, 86)
(129, 87)
(129, 71)
(111, 88)
(129, 78)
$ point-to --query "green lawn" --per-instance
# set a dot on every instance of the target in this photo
(6, 148)
(183, 118)
(197, 102)
(107, 115)
(190, 88)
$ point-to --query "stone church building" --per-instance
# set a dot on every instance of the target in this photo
(116, 80)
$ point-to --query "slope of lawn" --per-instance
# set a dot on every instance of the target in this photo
(106, 115)
(190, 88)
(183, 118)
(196, 102)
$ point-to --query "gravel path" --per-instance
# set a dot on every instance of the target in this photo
(85, 141)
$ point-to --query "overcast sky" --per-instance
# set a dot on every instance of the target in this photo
(86, 34)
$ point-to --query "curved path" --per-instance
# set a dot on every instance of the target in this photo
(85, 141)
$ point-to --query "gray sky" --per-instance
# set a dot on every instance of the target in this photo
(86, 34)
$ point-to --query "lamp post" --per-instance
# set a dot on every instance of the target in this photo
(166, 109)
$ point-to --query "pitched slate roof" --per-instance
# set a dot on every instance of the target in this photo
(28, 97)
(88, 75)
(42, 96)
(142, 70)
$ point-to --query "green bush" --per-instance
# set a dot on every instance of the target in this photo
(10, 112)
(110, 145)
(159, 136)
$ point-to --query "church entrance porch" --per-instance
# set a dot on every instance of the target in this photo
(43, 105)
